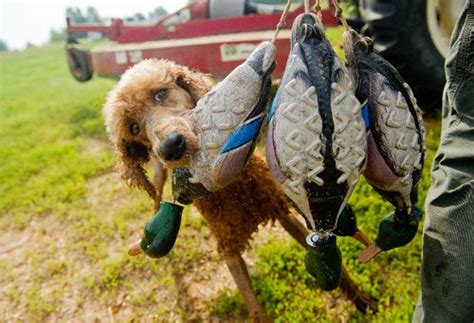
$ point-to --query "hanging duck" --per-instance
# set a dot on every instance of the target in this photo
(395, 137)
(316, 143)
(227, 120)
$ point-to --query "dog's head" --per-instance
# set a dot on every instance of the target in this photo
(148, 112)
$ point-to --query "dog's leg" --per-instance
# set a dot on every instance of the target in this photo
(238, 270)
(159, 178)
(360, 299)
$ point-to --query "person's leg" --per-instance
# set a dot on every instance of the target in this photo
(447, 271)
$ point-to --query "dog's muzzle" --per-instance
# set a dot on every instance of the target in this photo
(173, 147)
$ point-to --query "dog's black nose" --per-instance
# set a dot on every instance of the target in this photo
(173, 147)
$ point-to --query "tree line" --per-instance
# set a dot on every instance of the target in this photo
(91, 15)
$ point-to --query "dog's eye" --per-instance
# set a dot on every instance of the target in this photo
(134, 128)
(160, 95)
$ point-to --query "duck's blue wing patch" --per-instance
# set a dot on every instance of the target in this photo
(365, 114)
(243, 134)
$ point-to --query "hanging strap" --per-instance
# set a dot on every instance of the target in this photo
(338, 14)
(281, 23)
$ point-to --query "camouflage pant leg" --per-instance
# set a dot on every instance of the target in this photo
(447, 272)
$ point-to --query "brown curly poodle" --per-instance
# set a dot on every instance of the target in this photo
(146, 114)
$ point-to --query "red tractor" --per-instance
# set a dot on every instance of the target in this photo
(207, 35)
(214, 36)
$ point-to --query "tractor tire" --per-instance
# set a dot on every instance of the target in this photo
(79, 63)
(414, 37)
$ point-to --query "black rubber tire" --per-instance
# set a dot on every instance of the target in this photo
(400, 33)
(79, 63)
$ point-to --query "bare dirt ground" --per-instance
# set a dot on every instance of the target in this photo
(57, 259)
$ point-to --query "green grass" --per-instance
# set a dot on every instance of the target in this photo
(46, 119)
(75, 219)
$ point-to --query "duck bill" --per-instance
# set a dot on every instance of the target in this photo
(135, 250)
(362, 237)
(369, 253)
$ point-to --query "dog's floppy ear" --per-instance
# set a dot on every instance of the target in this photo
(131, 158)
(197, 84)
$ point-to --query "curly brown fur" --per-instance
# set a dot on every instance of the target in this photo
(235, 212)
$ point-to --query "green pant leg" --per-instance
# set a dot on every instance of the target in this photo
(447, 272)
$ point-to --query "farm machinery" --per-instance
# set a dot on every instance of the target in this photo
(210, 36)
(215, 36)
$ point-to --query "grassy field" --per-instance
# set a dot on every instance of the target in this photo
(66, 222)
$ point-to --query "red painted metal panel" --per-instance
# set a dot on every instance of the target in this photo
(205, 58)
(121, 33)
(206, 27)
